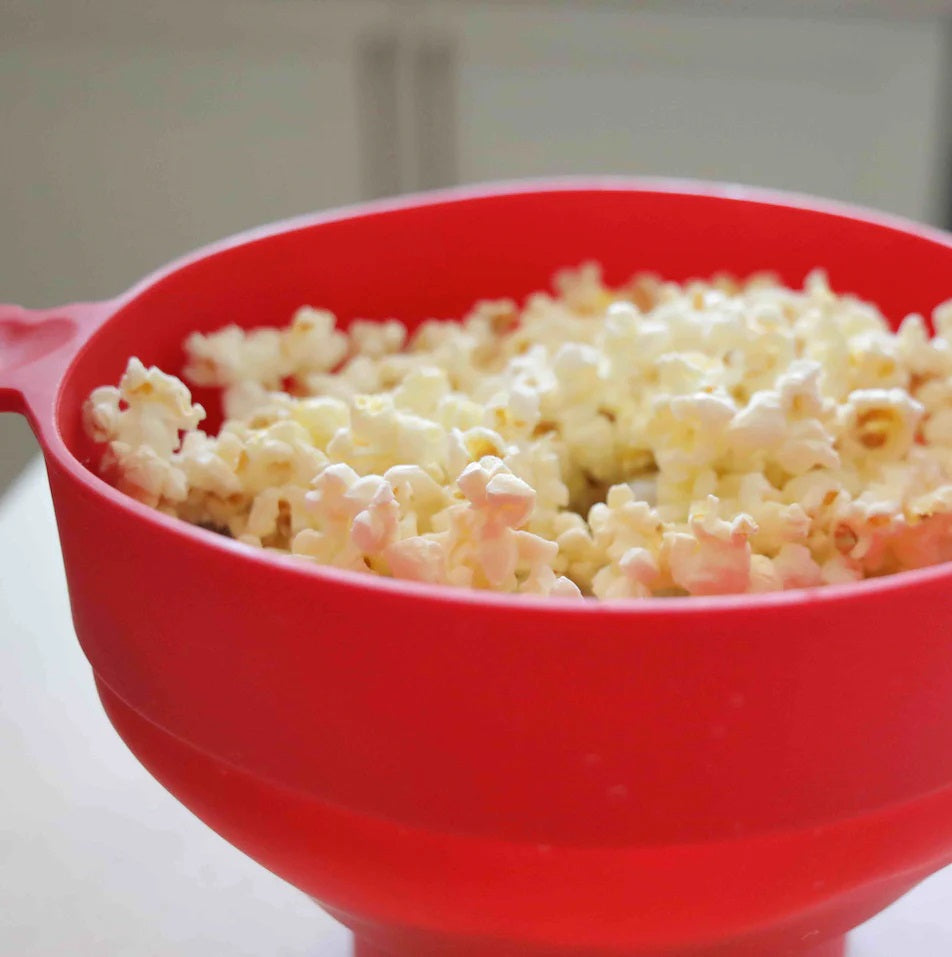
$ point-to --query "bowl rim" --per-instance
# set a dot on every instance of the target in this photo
(469, 598)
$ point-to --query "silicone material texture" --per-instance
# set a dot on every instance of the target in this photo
(485, 775)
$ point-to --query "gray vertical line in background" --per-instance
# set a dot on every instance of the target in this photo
(378, 115)
(434, 90)
(944, 121)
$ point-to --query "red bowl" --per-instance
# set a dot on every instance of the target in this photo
(476, 774)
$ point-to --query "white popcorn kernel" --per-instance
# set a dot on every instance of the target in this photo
(417, 558)
(698, 438)
(509, 499)
(942, 320)
(645, 488)
(524, 405)
(456, 454)
(313, 343)
(474, 478)
(514, 411)
(211, 464)
(839, 570)
(232, 355)
(779, 524)
(376, 339)
(244, 399)
(158, 408)
(763, 576)
(101, 413)
(814, 491)
(215, 359)
(564, 587)
(497, 555)
(458, 412)
(582, 288)
(142, 421)
(503, 497)
(330, 489)
(535, 551)
(881, 422)
(641, 567)
(422, 391)
(809, 445)
(914, 342)
(375, 526)
(817, 285)
(322, 416)
(681, 441)
(263, 516)
(539, 467)
(796, 567)
(577, 367)
(147, 476)
(481, 442)
(544, 581)
(372, 419)
(799, 390)
(683, 373)
(495, 316)
(714, 558)
(760, 426)
(622, 311)
(938, 428)
(414, 486)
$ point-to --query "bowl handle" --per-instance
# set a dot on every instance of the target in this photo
(36, 347)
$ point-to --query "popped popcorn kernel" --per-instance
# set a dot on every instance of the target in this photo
(883, 422)
(658, 439)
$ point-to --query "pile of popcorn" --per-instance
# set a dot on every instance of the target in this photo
(656, 439)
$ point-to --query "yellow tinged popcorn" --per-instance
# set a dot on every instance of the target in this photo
(649, 440)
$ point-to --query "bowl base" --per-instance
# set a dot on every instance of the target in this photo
(835, 947)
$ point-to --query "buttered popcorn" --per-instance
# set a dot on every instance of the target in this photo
(656, 439)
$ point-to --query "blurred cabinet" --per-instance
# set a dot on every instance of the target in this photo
(133, 132)
(855, 108)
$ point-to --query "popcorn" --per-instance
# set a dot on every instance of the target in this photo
(146, 476)
(504, 499)
(544, 581)
(312, 342)
(763, 576)
(417, 558)
(714, 557)
(796, 567)
(141, 422)
(101, 413)
(322, 417)
(882, 422)
(839, 570)
(374, 527)
(689, 432)
(375, 339)
(659, 439)
(582, 288)
(157, 408)
(211, 463)
(422, 391)
(232, 356)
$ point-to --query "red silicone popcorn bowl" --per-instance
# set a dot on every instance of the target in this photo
(476, 775)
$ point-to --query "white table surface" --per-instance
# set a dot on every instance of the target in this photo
(98, 860)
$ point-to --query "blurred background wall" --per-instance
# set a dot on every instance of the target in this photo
(133, 131)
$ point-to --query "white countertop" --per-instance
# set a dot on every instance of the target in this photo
(98, 860)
